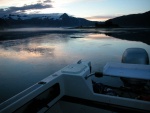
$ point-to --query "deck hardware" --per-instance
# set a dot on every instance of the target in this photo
(42, 82)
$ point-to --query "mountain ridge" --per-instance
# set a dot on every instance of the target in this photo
(133, 20)
(65, 20)
(43, 20)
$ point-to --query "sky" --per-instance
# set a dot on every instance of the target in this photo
(95, 10)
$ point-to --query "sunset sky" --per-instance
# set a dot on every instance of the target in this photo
(98, 10)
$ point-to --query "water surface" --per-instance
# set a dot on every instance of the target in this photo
(27, 60)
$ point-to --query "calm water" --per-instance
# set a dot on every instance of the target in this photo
(26, 61)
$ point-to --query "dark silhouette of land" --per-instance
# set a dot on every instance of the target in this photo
(133, 20)
(65, 20)
(142, 35)
(107, 24)
(127, 21)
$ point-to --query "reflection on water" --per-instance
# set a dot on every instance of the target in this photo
(24, 62)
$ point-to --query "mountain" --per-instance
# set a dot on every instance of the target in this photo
(65, 20)
(133, 20)
(43, 20)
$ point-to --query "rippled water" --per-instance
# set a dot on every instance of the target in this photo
(26, 61)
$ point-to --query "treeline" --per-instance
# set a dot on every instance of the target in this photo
(106, 24)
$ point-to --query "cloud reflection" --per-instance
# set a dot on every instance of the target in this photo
(96, 36)
(26, 52)
(41, 47)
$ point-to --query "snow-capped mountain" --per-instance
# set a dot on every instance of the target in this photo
(30, 16)
(43, 20)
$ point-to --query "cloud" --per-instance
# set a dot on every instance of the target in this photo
(29, 7)
(25, 7)
(47, 1)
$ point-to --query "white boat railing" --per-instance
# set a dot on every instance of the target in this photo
(70, 81)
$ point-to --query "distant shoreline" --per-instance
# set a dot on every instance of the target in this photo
(132, 34)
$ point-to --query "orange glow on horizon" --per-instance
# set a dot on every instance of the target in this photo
(98, 19)
(102, 18)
